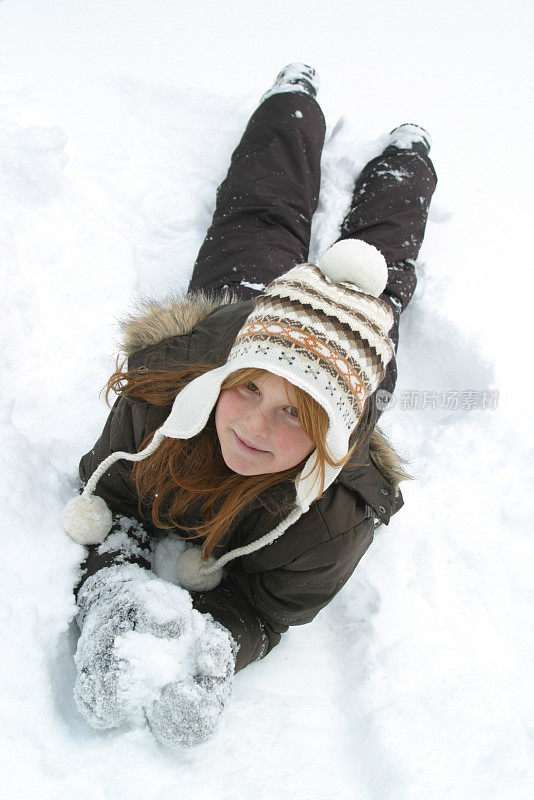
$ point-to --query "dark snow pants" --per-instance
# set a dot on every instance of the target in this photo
(262, 221)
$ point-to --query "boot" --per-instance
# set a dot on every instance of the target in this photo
(295, 77)
(410, 137)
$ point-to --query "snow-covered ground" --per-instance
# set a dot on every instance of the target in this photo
(117, 122)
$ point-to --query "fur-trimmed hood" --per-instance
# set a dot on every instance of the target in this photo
(154, 322)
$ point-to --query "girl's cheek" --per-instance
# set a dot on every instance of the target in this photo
(222, 409)
(294, 440)
(230, 406)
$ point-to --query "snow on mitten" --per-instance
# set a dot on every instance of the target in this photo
(113, 603)
(101, 690)
(186, 712)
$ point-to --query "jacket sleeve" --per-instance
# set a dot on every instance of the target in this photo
(128, 424)
(130, 539)
(127, 543)
(258, 606)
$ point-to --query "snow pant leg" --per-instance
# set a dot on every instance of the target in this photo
(389, 210)
(262, 220)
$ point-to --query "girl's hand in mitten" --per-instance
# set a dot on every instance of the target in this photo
(115, 603)
(185, 712)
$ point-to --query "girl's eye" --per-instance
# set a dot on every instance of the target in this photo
(252, 387)
(292, 411)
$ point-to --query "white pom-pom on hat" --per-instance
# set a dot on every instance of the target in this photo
(87, 520)
(357, 262)
(191, 571)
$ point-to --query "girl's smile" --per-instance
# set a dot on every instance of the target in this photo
(259, 428)
(248, 447)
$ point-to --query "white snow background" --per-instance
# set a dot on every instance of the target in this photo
(117, 121)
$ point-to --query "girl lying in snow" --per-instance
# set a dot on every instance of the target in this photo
(250, 405)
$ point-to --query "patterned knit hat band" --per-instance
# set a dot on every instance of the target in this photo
(304, 361)
(327, 336)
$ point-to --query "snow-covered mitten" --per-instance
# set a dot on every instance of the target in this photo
(113, 602)
(186, 712)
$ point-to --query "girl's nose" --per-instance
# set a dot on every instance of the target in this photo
(257, 423)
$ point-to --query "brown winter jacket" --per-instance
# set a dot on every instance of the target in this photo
(289, 581)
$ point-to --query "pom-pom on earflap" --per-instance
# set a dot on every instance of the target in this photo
(192, 573)
(87, 520)
(357, 262)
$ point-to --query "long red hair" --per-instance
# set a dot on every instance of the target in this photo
(186, 483)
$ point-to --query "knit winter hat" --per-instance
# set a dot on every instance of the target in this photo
(324, 330)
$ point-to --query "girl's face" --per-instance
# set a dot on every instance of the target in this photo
(258, 427)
